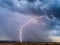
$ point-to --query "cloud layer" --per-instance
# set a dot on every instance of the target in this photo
(36, 7)
(25, 6)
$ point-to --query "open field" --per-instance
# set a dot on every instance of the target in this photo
(18, 43)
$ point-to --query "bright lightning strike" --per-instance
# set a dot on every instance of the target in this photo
(33, 20)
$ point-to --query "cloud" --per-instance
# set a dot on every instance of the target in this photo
(55, 38)
(33, 7)
(23, 6)
(12, 20)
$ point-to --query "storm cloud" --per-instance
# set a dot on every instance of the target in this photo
(15, 13)
(36, 7)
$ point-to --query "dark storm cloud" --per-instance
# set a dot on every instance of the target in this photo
(36, 7)
(56, 12)
(23, 6)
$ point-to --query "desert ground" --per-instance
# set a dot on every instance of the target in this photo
(41, 43)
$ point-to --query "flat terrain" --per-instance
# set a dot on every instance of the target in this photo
(17, 43)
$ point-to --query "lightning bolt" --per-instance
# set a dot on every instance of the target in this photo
(21, 29)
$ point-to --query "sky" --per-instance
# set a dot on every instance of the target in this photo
(30, 20)
(10, 23)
